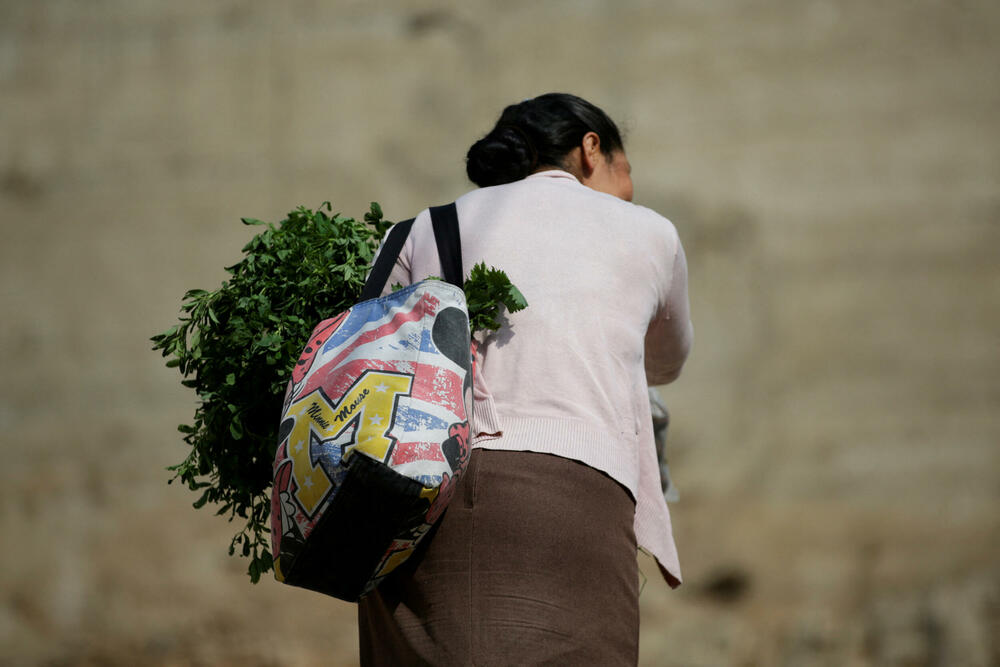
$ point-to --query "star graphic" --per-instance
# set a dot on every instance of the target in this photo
(298, 445)
(308, 482)
(375, 420)
(381, 387)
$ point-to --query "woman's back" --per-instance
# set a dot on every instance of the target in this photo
(566, 375)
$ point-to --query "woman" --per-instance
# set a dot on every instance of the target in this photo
(534, 560)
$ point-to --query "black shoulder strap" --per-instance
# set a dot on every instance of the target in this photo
(386, 260)
(449, 242)
(449, 246)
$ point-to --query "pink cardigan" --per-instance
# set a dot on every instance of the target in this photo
(606, 284)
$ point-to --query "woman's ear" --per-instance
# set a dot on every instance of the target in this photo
(590, 152)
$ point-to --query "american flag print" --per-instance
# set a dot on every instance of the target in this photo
(390, 380)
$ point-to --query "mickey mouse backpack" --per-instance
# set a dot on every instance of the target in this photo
(375, 426)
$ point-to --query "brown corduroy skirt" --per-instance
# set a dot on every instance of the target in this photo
(534, 562)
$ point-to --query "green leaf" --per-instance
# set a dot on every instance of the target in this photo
(515, 301)
(486, 290)
(268, 340)
(198, 504)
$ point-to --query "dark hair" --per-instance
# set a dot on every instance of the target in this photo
(538, 132)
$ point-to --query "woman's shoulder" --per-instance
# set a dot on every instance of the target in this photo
(564, 198)
(655, 219)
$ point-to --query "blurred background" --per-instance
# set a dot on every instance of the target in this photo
(833, 168)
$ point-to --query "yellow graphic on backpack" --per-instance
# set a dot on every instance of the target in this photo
(360, 420)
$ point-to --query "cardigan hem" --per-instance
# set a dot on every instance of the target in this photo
(571, 439)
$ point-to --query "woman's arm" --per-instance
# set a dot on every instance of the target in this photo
(670, 334)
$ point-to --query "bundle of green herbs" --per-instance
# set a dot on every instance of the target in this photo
(236, 346)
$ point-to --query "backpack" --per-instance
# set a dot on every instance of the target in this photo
(375, 426)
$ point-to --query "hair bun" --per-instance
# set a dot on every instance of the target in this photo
(504, 155)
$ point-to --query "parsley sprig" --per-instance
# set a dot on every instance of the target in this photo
(486, 289)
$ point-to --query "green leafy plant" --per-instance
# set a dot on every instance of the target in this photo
(486, 289)
(236, 346)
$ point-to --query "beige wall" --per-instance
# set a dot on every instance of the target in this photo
(833, 169)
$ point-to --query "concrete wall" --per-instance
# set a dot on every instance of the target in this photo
(833, 169)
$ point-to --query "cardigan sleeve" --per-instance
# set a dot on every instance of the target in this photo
(670, 334)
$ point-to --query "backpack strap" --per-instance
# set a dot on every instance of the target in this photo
(449, 246)
(386, 260)
(449, 242)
